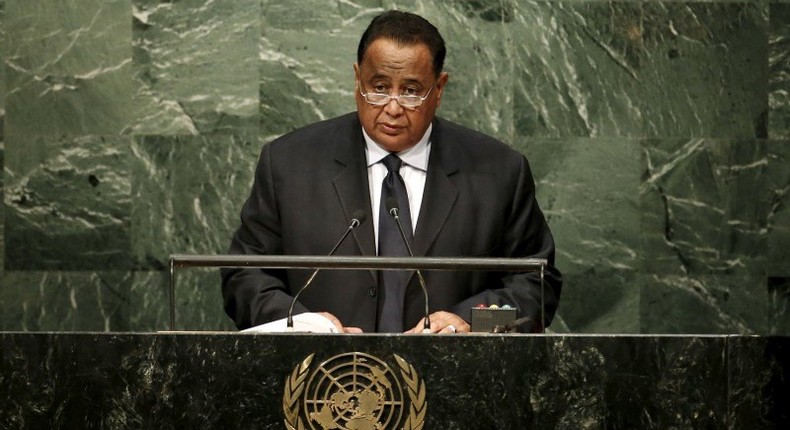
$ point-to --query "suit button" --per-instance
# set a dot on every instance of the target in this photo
(372, 291)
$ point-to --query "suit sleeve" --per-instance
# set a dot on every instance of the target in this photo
(526, 235)
(257, 296)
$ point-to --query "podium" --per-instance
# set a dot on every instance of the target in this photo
(471, 381)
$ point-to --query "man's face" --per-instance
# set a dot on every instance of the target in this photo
(396, 69)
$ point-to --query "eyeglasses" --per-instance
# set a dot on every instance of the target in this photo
(408, 101)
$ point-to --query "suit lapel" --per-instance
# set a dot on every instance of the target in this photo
(440, 192)
(351, 184)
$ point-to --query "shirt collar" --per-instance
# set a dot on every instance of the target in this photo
(416, 156)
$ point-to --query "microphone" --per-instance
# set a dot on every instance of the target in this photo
(359, 218)
(392, 208)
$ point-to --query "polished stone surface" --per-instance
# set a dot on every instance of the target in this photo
(657, 132)
(196, 66)
(68, 66)
(237, 381)
(779, 71)
(67, 202)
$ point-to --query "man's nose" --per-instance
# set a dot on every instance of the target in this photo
(393, 108)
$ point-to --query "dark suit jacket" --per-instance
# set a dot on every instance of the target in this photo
(479, 201)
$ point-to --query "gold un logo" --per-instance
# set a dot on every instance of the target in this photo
(354, 391)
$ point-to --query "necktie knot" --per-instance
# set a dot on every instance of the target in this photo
(393, 163)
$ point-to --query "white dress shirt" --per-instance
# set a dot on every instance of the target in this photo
(414, 171)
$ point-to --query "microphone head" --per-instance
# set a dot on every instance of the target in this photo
(392, 205)
(358, 217)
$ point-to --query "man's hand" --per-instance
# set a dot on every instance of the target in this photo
(443, 322)
(339, 325)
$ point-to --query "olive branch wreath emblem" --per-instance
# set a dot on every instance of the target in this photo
(295, 385)
(416, 390)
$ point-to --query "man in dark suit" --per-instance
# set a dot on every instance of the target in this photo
(460, 193)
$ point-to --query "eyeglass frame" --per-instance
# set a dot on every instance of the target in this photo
(397, 98)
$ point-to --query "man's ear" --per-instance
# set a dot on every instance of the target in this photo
(356, 76)
(440, 83)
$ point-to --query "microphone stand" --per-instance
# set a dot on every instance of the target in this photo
(359, 217)
(392, 207)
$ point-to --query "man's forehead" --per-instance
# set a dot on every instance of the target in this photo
(383, 42)
(407, 62)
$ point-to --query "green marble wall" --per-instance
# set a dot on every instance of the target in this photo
(659, 134)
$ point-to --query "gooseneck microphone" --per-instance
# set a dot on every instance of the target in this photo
(359, 218)
(392, 208)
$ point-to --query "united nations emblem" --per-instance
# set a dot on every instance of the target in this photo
(354, 391)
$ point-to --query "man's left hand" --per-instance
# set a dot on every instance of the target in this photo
(443, 322)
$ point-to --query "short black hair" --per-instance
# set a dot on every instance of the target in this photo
(406, 29)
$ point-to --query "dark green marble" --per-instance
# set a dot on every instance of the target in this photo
(195, 66)
(67, 203)
(198, 304)
(759, 369)
(237, 381)
(307, 52)
(110, 301)
(68, 66)
(2, 214)
(2, 139)
(705, 69)
(779, 71)
(576, 69)
(777, 183)
(3, 38)
(588, 190)
(641, 69)
(187, 194)
(726, 304)
(66, 301)
(705, 205)
(706, 215)
(480, 90)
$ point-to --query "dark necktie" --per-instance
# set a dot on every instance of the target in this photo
(393, 282)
